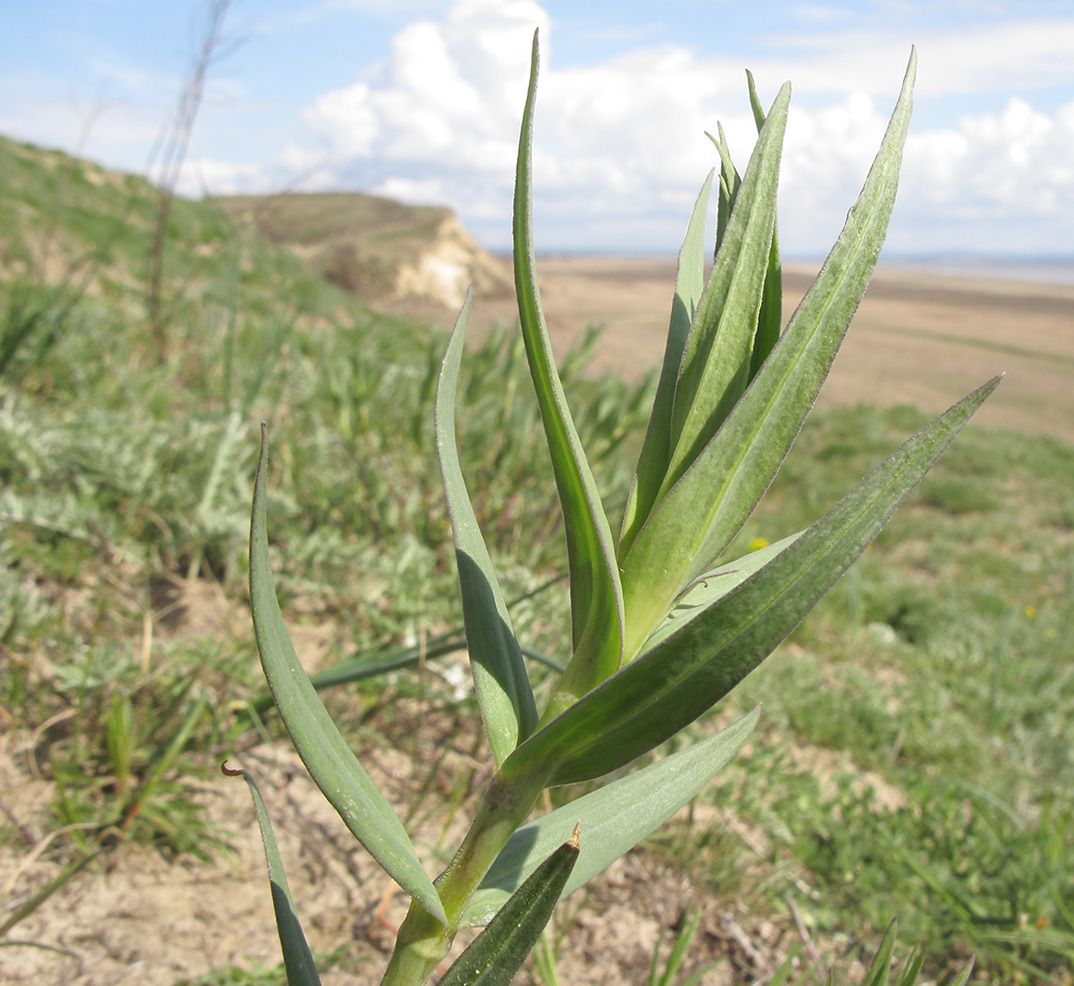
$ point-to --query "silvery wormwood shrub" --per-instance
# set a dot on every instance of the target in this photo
(661, 627)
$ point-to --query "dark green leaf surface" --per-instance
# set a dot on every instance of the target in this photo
(503, 687)
(615, 818)
(673, 683)
(297, 959)
(331, 763)
(493, 958)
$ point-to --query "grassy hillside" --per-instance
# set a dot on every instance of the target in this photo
(915, 754)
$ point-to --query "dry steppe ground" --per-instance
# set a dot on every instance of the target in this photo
(919, 337)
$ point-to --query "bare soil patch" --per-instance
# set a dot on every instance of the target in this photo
(136, 917)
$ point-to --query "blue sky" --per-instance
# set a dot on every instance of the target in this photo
(420, 99)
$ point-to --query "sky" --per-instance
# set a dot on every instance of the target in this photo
(421, 100)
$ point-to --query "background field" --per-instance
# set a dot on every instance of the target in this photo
(914, 757)
(919, 337)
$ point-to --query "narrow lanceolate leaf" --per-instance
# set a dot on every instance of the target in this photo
(331, 764)
(912, 967)
(656, 449)
(880, 968)
(711, 587)
(716, 360)
(494, 956)
(297, 959)
(964, 974)
(770, 316)
(729, 182)
(770, 319)
(699, 516)
(674, 682)
(596, 598)
(615, 818)
(503, 687)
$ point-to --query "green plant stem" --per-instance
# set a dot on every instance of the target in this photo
(424, 941)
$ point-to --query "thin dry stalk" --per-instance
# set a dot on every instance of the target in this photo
(175, 147)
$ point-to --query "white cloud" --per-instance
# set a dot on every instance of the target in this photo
(1008, 176)
(450, 89)
(620, 147)
(1015, 54)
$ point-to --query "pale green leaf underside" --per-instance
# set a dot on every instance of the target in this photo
(297, 959)
(711, 587)
(331, 763)
(613, 819)
(503, 687)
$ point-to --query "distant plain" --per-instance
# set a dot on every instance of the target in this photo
(920, 337)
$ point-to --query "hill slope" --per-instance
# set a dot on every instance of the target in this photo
(66, 220)
(376, 248)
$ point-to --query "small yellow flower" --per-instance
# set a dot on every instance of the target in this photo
(1030, 610)
(757, 543)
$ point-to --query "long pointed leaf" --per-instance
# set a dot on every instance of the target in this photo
(963, 976)
(615, 818)
(912, 969)
(656, 449)
(331, 763)
(770, 316)
(711, 587)
(718, 354)
(716, 360)
(880, 967)
(770, 319)
(672, 684)
(596, 597)
(493, 958)
(297, 958)
(503, 687)
(700, 515)
(729, 182)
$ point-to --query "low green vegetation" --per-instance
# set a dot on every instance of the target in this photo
(919, 721)
(913, 757)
